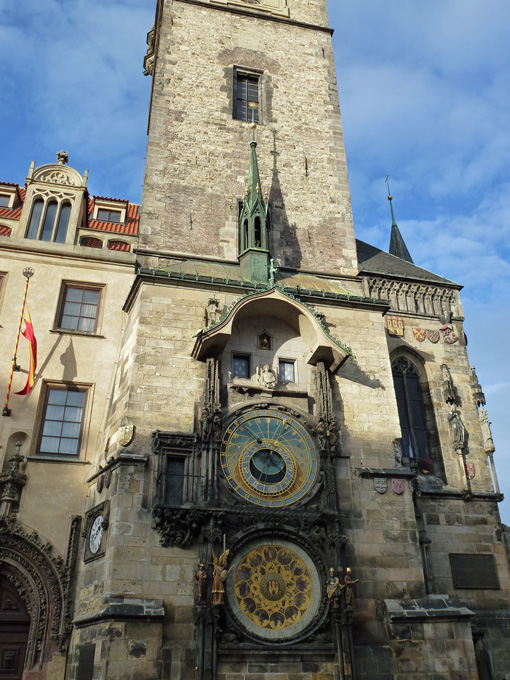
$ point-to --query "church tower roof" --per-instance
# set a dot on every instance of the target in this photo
(397, 243)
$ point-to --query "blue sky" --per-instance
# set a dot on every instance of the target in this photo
(425, 97)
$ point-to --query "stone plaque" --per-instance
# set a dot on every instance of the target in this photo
(474, 571)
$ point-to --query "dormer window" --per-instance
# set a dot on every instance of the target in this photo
(5, 199)
(109, 210)
(109, 215)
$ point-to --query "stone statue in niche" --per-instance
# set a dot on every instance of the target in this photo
(321, 432)
(206, 425)
(457, 429)
(267, 377)
(202, 581)
(217, 428)
(332, 433)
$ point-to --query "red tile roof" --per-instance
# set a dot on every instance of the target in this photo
(5, 231)
(13, 213)
(130, 228)
(119, 245)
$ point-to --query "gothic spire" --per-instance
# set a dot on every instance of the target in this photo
(254, 225)
(397, 243)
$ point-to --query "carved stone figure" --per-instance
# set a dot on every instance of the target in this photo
(217, 428)
(349, 584)
(332, 433)
(334, 589)
(447, 385)
(267, 377)
(212, 312)
(202, 580)
(488, 443)
(321, 433)
(205, 425)
(458, 431)
(219, 577)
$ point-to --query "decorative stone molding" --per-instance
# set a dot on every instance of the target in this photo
(415, 298)
(59, 174)
(43, 580)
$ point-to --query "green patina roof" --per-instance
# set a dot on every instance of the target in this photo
(218, 271)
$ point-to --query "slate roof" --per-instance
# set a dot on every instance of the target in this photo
(372, 260)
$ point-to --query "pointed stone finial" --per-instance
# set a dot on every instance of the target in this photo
(397, 243)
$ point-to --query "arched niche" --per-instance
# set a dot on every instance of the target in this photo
(275, 304)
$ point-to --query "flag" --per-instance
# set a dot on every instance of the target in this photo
(28, 333)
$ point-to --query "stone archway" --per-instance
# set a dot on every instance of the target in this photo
(14, 631)
(37, 582)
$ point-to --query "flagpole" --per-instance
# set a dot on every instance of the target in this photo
(28, 272)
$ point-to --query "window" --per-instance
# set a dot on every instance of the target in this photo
(286, 373)
(4, 200)
(241, 366)
(79, 311)
(174, 480)
(119, 245)
(49, 221)
(91, 242)
(246, 97)
(62, 422)
(108, 215)
(410, 409)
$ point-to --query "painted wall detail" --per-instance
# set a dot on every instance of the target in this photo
(273, 590)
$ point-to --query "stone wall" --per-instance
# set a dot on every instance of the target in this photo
(198, 155)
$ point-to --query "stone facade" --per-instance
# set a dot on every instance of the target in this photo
(284, 475)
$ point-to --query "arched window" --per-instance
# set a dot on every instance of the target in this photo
(411, 409)
(63, 222)
(119, 245)
(49, 222)
(35, 219)
(258, 233)
(90, 242)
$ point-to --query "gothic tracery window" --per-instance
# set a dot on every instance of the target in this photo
(410, 409)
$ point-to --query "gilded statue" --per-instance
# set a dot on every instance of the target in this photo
(220, 574)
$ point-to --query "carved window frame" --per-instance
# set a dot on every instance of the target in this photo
(429, 417)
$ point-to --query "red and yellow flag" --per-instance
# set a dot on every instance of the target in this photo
(28, 333)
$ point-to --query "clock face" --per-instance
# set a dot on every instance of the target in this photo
(274, 589)
(96, 534)
(269, 458)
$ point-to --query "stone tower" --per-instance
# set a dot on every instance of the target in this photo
(284, 486)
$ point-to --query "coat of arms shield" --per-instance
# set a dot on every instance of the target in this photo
(433, 336)
(419, 334)
(470, 470)
(398, 486)
(380, 484)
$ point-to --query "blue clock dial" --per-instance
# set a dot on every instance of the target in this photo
(269, 458)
